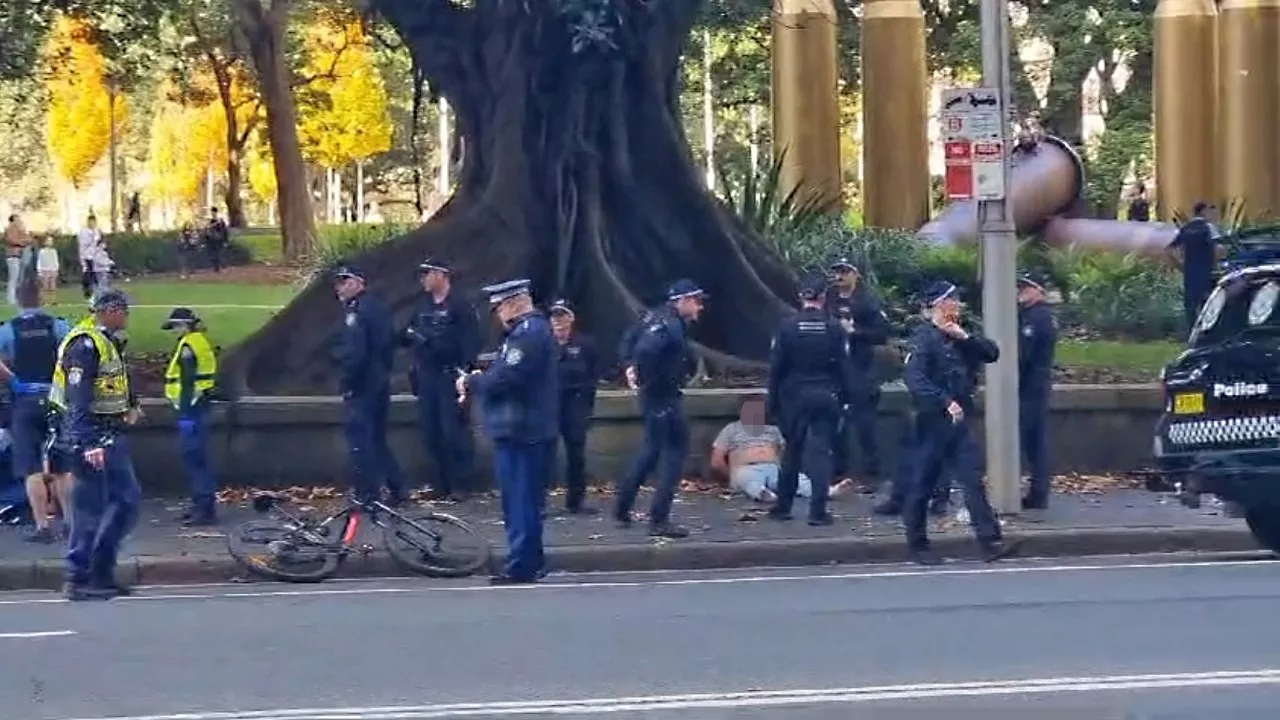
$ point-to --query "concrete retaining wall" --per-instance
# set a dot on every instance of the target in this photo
(277, 442)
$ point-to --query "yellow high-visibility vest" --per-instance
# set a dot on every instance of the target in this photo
(206, 368)
(110, 387)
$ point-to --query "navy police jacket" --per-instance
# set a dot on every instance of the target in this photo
(519, 393)
(941, 369)
(365, 347)
(1037, 338)
(659, 349)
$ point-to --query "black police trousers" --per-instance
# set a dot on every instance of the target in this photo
(810, 422)
(942, 444)
(1033, 416)
(575, 420)
(859, 421)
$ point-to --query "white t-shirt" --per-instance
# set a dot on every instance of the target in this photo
(87, 242)
(47, 260)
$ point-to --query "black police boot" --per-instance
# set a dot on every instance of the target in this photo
(580, 509)
(925, 556)
(623, 518)
(434, 495)
(200, 516)
(498, 580)
(822, 519)
(1034, 503)
(993, 550)
(81, 592)
(668, 530)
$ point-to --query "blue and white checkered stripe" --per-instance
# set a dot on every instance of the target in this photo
(1224, 431)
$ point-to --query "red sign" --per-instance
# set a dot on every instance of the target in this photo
(987, 151)
(958, 157)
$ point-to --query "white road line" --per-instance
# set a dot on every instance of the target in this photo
(557, 586)
(41, 634)
(748, 699)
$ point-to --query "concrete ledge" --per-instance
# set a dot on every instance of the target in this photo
(286, 441)
(852, 550)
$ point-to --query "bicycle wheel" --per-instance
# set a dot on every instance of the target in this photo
(279, 549)
(435, 544)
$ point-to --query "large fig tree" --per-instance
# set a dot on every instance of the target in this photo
(575, 173)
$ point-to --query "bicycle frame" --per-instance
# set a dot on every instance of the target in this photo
(351, 520)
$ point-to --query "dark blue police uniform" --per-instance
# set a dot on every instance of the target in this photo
(658, 348)
(579, 374)
(1037, 338)
(105, 501)
(444, 337)
(1197, 239)
(29, 348)
(519, 399)
(870, 330)
(939, 371)
(366, 347)
(810, 381)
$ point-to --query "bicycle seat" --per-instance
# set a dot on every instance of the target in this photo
(263, 502)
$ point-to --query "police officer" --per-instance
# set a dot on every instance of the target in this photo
(658, 361)
(365, 351)
(941, 377)
(189, 386)
(90, 386)
(1197, 239)
(518, 397)
(810, 380)
(444, 337)
(579, 373)
(856, 308)
(28, 353)
(1037, 339)
(907, 442)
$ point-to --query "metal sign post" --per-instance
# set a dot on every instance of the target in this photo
(999, 262)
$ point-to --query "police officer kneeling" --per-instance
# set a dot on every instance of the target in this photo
(91, 388)
(189, 385)
(810, 382)
(29, 351)
(941, 376)
(519, 398)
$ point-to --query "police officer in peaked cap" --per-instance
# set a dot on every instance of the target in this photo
(1037, 339)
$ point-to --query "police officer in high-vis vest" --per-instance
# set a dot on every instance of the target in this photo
(91, 387)
(28, 352)
(519, 401)
(189, 386)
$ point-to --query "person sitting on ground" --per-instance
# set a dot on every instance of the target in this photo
(749, 451)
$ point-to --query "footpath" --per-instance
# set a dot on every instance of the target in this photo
(1087, 516)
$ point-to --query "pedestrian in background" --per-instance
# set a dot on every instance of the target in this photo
(88, 241)
(519, 397)
(16, 241)
(1139, 205)
(216, 238)
(47, 266)
(811, 378)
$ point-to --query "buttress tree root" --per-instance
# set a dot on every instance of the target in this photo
(576, 173)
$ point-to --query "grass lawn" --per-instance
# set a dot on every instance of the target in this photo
(1130, 358)
(244, 308)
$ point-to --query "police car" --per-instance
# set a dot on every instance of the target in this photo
(1219, 432)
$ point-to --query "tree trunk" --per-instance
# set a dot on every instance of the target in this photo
(264, 30)
(235, 140)
(576, 175)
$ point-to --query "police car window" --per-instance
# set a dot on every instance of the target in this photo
(1236, 308)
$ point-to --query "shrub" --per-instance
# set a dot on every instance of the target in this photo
(1122, 295)
(144, 253)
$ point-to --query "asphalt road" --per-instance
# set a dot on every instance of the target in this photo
(1135, 638)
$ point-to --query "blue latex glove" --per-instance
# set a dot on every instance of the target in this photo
(186, 425)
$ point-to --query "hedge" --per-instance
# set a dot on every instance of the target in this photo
(144, 253)
(1109, 295)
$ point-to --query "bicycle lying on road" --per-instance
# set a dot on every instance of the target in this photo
(294, 548)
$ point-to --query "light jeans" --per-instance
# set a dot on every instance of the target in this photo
(753, 480)
(14, 267)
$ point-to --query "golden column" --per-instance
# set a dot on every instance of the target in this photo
(1186, 106)
(895, 113)
(806, 110)
(1249, 43)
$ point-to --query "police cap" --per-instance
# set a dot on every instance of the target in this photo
(180, 316)
(561, 307)
(939, 291)
(684, 288)
(1033, 279)
(812, 287)
(504, 291)
(431, 264)
(346, 272)
(843, 265)
(109, 300)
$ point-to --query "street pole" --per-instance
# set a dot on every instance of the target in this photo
(999, 283)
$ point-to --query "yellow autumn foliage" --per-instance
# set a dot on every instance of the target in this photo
(262, 173)
(185, 142)
(79, 119)
(347, 120)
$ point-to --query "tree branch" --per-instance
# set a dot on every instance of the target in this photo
(437, 33)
